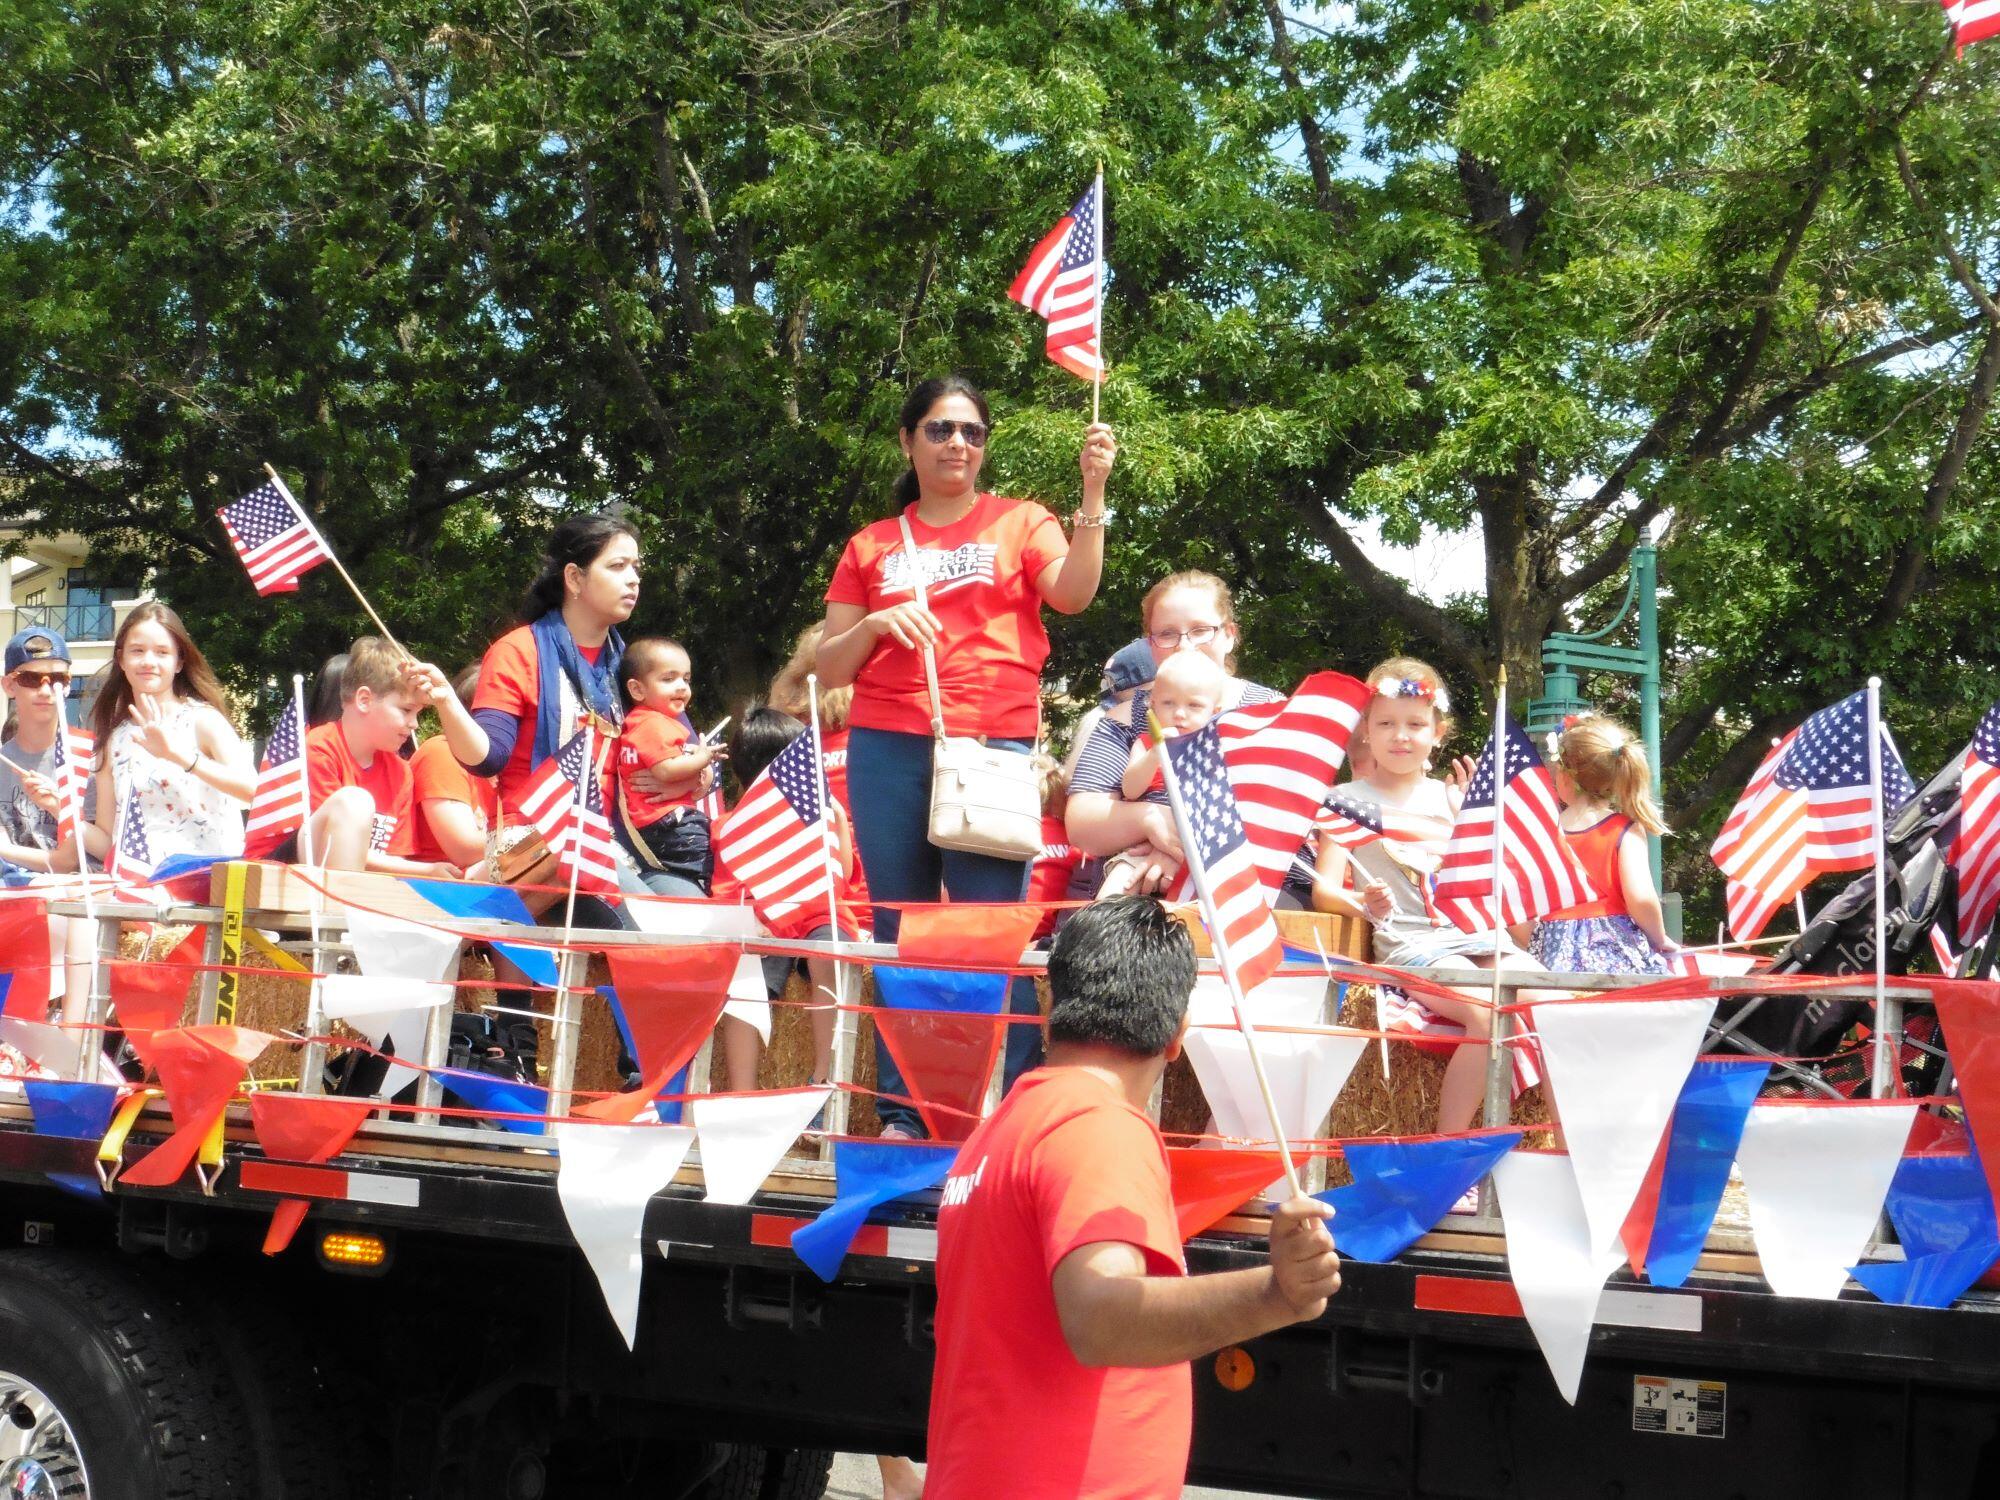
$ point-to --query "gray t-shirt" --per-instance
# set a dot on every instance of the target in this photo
(21, 821)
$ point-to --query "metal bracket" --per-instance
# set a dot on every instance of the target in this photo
(1351, 1367)
(753, 1296)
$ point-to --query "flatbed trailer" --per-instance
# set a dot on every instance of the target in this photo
(476, 1359)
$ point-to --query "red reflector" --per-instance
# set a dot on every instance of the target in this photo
(774, 1231)
(1465, 1294)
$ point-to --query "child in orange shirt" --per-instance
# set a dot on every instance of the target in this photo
(358, 783)
(667, 834)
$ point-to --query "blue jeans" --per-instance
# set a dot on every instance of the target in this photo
(889, 785)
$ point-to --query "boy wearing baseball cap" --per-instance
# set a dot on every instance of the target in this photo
(36, 678)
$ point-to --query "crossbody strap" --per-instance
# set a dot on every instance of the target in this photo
(923, 602)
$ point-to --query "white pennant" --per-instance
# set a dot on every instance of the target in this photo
(1617, 1068)
(385, 1011)
(1281, 1000)
(1306, 1070)
(1557, 1274)
(390, 948)
(46, 1046)
(1816, 1176)
(605, 1177)
(743, 1136)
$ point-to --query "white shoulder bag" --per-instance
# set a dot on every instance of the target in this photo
(983, 801)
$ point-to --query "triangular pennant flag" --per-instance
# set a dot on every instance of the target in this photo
(46, 1046)
(503, 1096)
(606, 1176)
(1281, 1000)
(492, 903)
(1636, 1233)
(26, 949)
(1927, 1280)
(969, 936)
(1616, 1068)
(1402, 1188)
(671, 999)
(311, 1128)
(72, 1111)
(1940, 1204)
(200, 1067)
(1211, 1184)
(83, 1185)
(391, 1013)
(1306, 1072)
(1969, 1012)
(946, 1059)
(743, 1136)
(391, 948)
(1557, 1274)
(869, 1174)
(149, 997)
(1701, 1145)
(683, 918)
(1816, 1176)
(178, 866)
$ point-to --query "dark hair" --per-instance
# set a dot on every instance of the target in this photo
(641, 657)
(580, 540)
(916, 406)
(324, 705)
(1121, 972)
(760, 734)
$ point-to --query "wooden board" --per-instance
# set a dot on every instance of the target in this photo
(1340, 936)
(279, 890)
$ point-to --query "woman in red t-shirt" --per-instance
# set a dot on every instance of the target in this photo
(989, 565)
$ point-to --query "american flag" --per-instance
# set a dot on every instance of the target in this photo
(1063, 281)
(1220, 859)
(131, 862)
(564, 803)
(282, 802)
(1538, 873)
(779, 841)
(1972, 20)
(74, 752)
(1353, 822)
(1975, 845)
(273, 537)
(1807, 811)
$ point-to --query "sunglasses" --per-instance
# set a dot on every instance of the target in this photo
(33, 680)
(939, 431)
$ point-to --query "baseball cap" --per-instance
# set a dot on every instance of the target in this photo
(35, 644)
(1131, 666)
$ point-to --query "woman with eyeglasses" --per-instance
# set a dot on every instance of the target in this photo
(989, 565)
(1191, 611)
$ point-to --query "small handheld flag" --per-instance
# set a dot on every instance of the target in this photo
(567, 809)
(778, 841)
(273, 538)
(1538, 873)
(1975, 845)
(280, 804)
(1063, 281)
(74, 751)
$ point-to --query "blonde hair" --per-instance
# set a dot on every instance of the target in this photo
(788, 688)
(1194, 578)
(1607, 762)
(1055, 785)
(1191, 672)
(372, 663)
(1410, 678)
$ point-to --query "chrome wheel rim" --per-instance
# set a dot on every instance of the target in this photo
(38, 1457)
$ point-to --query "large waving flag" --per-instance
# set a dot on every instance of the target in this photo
(1972, 20)
(282, 801)
(1808, 811)
(1975, 846)
(273, 537)
(779, 840)
(1064, 282)
(567, 808)
(1219, 858)
(1538, 873)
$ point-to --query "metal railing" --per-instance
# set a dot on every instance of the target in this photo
(74, 622)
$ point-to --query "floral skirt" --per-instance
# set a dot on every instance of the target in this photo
(1596, 945)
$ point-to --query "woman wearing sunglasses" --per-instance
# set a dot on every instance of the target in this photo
(989, 565)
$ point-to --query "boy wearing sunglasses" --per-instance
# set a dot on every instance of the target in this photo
(37, 681)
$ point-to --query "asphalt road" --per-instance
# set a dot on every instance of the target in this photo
(855, 1478)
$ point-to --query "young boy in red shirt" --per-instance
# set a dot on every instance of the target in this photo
(667, 834)
(358, 781)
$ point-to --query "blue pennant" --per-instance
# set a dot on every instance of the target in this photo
(1928, 1280)
(176, 865)
(1941, 1204)
(492, 903)
(941, 989)
(78, 1184)
(484, 1091)
(73, 1111)
(668, 1112)
(869, 1174)
(1402, 1188)
(1701, 1144)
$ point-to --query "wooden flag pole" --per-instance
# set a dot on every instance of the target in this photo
(1097, 376)
(1498, 1065)
(1888, 1009)
(333, 557)
(1229, 975)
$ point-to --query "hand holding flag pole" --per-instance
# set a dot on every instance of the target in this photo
(1219, 939)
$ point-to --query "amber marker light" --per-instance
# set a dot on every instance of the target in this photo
(354, 1252)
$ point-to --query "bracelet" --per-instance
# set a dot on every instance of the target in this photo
(1081, 520)
(194, 760)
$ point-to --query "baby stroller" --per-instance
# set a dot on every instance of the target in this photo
(1826, 1037)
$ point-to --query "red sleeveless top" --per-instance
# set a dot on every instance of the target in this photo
(1596, 849)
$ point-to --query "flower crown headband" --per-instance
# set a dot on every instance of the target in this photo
(1412, 687)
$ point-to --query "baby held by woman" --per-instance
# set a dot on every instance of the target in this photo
(1187, 692)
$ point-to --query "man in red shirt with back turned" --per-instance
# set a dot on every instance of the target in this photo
(1066, 1317)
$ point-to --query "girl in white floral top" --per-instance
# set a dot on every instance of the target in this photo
(164, 731)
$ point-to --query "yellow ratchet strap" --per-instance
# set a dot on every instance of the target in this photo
(235, 875)
(111, 1150)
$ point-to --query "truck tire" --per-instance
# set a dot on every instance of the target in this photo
(123, 1377)
(771, 1474)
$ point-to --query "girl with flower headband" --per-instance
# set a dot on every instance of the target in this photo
(1407, 719)
(1606, 789)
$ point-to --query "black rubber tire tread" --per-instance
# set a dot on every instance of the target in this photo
(741, 1478)
(125, 1357)
(796, 1473)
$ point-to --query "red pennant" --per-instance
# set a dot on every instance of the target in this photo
(672, 998)
(945, 1061)
(1208, 1183)
(201, 1068)
(285, 1221)
(1969, 1011)
(149, 996)
(1637, 1230)
(24, 940)
(966, 937)
(302, 1127)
